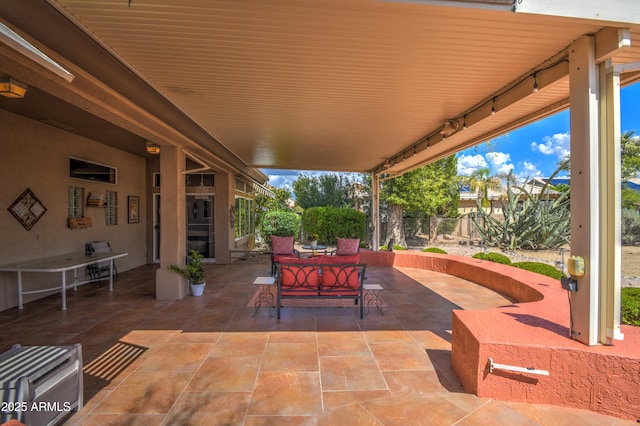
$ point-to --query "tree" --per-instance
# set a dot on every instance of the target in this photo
(327, 190)
(431, 188)
(630, 146)
(265, 203)
(483, 181)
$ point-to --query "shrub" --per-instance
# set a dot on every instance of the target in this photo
(540, 268)
(434, 250)
(395, 247)
(630, 227)
(331, 223)
(630, 301)
(280, 223)
(493, 257)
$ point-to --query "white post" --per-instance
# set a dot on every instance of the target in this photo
(583, 74)
(595, 184)
(610, 205)
(375, 210)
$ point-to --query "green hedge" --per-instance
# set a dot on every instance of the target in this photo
(493, 257)
(434, 250)
(280, 223)
(630, 301)
(540, 268)
(331, 223)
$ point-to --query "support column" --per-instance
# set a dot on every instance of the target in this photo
(224, 232)
(595, 184)
(610, 205)
(375, 210)
(585, 187)
(173, 240)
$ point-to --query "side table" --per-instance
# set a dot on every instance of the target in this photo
(264, 293)
(372, 296)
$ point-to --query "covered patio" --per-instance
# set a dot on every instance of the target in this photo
(160, 90)
(207, 360)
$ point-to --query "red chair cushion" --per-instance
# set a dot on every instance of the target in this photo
(347, 246)
(282, 245)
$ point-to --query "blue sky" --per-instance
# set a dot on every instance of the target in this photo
(530, 151)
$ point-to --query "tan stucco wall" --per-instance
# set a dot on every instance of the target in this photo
(36, 156)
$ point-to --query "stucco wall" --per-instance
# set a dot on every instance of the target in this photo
(36, 156)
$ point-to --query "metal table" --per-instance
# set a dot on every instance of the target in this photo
(61, 263)
(316, 249)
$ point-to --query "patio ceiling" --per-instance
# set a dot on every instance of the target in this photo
(337, 85)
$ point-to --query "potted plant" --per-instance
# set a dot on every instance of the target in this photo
(314, 240)
(193, 272)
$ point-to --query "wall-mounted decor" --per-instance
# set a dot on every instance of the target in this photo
(79, 222)
(134, 209)
(27, 209)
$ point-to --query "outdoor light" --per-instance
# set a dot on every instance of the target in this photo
(153, 148)
(10, 88)
(449, 128)
(464, 123)
(535, 83)
(493, 107)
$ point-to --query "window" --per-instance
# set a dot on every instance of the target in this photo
(199, 179)
(244, 218)
(111, 208)
(82, 169)
(75, 206)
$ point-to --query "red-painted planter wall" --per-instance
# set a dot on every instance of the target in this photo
(533, 332)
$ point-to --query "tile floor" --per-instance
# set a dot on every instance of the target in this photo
(208, 361)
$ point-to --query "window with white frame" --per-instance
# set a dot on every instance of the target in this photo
(111, 208)
(75, 206)
(244, 206)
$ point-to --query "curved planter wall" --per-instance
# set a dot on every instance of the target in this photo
(532, 332)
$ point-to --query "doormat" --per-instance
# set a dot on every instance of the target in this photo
(313, 303)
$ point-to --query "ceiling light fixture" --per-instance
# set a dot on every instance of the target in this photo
(10, 88)
(449, 128)
(535, 83)
(464, 122)
(152, 148)
(493, 107)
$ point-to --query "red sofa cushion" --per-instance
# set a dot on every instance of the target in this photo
(337, 280)
(300, 280)
(354, 258)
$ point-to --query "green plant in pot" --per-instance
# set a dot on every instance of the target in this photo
(192, 272)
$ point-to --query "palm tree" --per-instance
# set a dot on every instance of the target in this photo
(482, 181)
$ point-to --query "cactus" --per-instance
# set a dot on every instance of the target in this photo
(534, 222)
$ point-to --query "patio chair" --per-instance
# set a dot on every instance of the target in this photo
(101, 269)
(282, 248)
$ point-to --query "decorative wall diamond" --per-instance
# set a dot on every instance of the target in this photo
(27, 209)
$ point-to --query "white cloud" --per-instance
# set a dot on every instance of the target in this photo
(498, 159)
(529, 171)
(557, 145)
(467, 164)
(505, 168)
